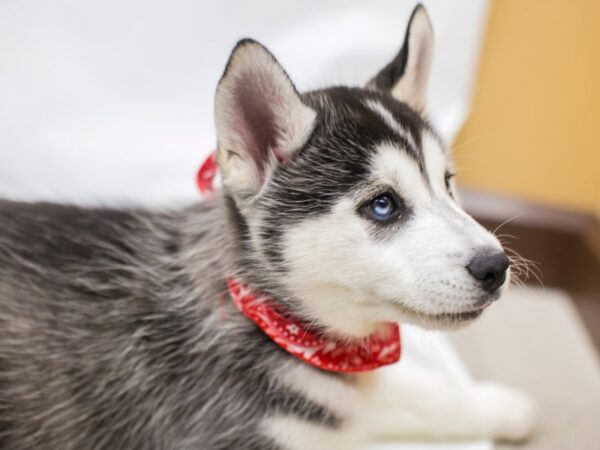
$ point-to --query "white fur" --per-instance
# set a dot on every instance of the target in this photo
(295, 434)
(436, 164)
(416, 402)
(315, 250)
(420, 403)
(341, 398)
(417, 272)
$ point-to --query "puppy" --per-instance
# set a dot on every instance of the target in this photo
(138, 329)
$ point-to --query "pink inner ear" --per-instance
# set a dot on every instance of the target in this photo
(256, 122)
(279, 155)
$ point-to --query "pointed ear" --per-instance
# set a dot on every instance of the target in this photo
(405, 77)
(261, 119)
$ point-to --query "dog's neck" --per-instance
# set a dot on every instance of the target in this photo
(315, 347)
(217, 246)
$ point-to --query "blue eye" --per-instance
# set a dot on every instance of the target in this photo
(382, 208)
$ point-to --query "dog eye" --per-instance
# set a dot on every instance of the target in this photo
(447, 179)
(382, 208)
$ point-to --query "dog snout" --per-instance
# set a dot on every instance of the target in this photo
(489, 268)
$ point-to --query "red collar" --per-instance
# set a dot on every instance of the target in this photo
(206, 175)
(296, 338)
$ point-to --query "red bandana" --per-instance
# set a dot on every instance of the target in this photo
(325, 353)
(206, 175)
(292, 334)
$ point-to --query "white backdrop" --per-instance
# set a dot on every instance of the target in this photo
(111, 101)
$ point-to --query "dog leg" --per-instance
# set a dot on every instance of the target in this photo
(420, 403)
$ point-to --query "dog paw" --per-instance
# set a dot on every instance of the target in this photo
(510, 414)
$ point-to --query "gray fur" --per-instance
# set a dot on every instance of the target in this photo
(110, 339)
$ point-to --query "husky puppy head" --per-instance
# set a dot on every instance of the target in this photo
(344, 199)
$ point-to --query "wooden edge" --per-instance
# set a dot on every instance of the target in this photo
(499, 208)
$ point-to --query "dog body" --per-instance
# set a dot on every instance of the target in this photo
(114, 335)
(117, 330)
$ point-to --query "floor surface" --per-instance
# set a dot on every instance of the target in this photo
(534, 339)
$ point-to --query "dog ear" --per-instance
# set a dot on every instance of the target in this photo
(260, 117)
(405, 77)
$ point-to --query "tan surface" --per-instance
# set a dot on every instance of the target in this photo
(533, 129)
(534, 340)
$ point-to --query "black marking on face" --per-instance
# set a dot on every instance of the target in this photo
(448, 176)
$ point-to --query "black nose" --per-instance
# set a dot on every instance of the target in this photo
(489, 268)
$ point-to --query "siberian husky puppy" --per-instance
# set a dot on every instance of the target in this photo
(118, 329)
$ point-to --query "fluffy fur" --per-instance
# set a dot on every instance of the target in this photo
(116, 328)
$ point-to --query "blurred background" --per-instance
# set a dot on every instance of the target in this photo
(529, 163)
(111, 103)
(532, 129)
(531, 138)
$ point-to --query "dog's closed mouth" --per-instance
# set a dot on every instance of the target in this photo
(459, 316)
(446, 317)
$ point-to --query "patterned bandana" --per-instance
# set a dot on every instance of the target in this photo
(323, 352)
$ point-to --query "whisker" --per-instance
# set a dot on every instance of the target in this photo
(473, 140)
(507, 221)
(505, 235)
(523, 268)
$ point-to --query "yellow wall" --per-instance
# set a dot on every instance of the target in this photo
(534, 130)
